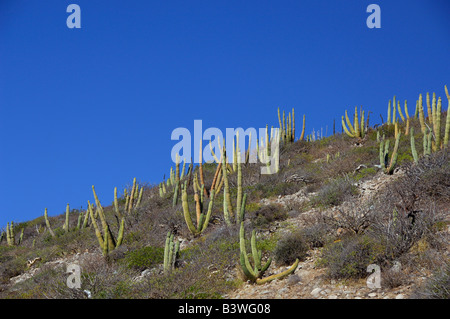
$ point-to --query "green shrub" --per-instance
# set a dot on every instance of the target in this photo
(146, 257)
(365, 172)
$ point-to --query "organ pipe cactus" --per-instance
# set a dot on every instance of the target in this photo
(413, 146)
(106, 241)
(358, 129)
(21, 236)
(228, 209)
(134, 199)
(47, 223)
(10, 234)
(427, 136)
(385, 164)
(202, 219)
(256, 272)
(66, 223)
(447, 121)
(171, 250)
(434, 120)
(287, 127)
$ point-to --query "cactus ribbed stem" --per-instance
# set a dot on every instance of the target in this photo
(116, 204)
(228, 209)
(421, 115)
(186, 212)
(280, 275)
(86, 219)
(94, 223)
(437, 126)
(47, 223)
(303, 129)
(130, 201)
(429, 110)
(399, 109)
(66, 224)
(394, 156)
(389, 113)
(413, 146)
(447, 122)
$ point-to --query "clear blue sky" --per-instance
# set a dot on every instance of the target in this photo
(97, 105)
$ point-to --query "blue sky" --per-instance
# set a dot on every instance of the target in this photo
(97, 105)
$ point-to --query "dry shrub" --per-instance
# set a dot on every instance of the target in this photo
(290, 247)
(436, 287)
(352, 218)
(268, 214)
(423, 184)
(349, 257)
(334, 192)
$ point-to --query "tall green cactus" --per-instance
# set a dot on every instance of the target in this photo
(432, 132)
(171, 250)
(10, 234)
(388, 166)
(66, 222)
(256, 272)
(427, 142)
(413, 146)
(358, 129)
(21, 236)
(107, 241)
(437, 125)
(228, 209)
(287, 127)
(47, 222)
(134, 199)
(447, 122)
(202, 219)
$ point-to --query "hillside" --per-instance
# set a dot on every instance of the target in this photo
(332, 207)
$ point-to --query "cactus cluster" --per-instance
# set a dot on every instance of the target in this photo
(202, 219)
(171, 250)
(287, 127)
(132, 201)
(359, 127)
(106, 240)
(228, 209)
(10, 234)
(256, 272)
(174, 181)
(386, 164)
(432, 123)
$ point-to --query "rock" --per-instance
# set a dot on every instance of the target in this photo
(400, 296)
(283, 290)
(316, 291)
(88, 293)
(372, 294)
(293, 279)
